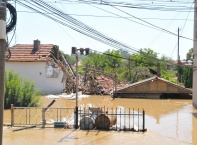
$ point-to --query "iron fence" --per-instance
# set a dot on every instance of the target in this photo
(125, 119)
(41, 116)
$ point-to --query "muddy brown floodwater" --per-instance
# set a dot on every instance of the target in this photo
(169, 122)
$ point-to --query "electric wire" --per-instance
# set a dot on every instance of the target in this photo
(159, 6)
(67, 25)
(181, 31)
(88, 30)
(149, 23)
(125, 18)
(149, 5)
(102, 16)
(60, 17)
(152, 24)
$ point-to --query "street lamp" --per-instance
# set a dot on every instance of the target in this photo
(75, 51)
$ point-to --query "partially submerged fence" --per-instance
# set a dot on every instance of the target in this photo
(88, 118)
(112, 119)
(41, 116)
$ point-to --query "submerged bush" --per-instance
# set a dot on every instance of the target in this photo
(20, 93)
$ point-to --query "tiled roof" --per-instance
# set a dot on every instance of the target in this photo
(25, 53)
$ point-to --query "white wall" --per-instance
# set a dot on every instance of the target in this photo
(36, 71)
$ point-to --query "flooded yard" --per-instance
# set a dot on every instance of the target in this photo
(167, 121)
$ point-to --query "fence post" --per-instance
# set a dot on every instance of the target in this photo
(76, 117)
(133, 118)
(143, 121)
(138, 119)
(12, 115)
(43, 118)
(117, 119)
(120, 118)
(129, 118)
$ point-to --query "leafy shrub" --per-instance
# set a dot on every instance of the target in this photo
(20, 93)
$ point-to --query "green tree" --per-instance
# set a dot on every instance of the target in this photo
(19, 92)
(112, 59)
(145, 58)
(189, 54)
(149, 58)
(186, 73)
(94, 59)
(187, 77)
(13, 89)
(169, 75)
(29, 95)
(106, 61)
(133, 68)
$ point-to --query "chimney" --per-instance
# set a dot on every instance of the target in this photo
(36, 45)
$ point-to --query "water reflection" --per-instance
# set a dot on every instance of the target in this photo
(194, 126)
(167, 121)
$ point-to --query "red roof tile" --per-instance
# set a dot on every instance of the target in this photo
(25, 53)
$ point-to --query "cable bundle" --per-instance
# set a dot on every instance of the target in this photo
(59, 16)
(165, 5)
(13, 16)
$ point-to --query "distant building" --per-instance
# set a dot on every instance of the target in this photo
(187, 63)
(38, 62)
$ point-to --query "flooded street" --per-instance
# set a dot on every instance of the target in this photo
(167, 121)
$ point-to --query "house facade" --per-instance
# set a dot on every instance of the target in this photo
(37, 62)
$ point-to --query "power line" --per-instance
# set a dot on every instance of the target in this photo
(120, 17)
(149, 5)
(66, 20)
(72, 23)
(159, 6)
(149, 23)
(181, 31)
(125, 18)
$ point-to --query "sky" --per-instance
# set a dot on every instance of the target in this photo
(127, 25)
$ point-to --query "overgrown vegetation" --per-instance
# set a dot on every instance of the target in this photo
(20, 93)
(136, 67)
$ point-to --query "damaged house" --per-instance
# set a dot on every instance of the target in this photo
(155, 88)
(37, 62)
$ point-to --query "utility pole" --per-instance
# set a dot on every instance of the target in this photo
(2, 62)
(195, 58)
(129, 69)
(178, 59)
(75, 51)
(76, 107)
(116, 77)
(115, 81)
(158, 69)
